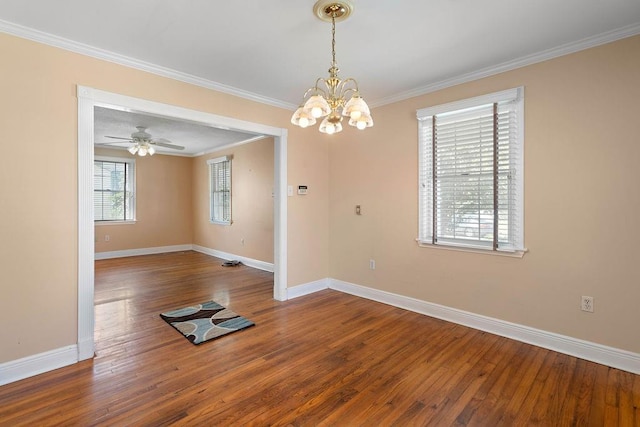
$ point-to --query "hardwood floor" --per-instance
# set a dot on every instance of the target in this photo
(323, 359)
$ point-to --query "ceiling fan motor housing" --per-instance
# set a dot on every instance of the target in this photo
(141, 134)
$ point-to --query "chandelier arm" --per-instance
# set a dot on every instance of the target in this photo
(315, 89)
(343, 91)
(353, 81)
(323, 80)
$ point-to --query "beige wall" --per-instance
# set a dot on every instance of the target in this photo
(163, 205)
(581, 203)
(38, 184)
(251, 232)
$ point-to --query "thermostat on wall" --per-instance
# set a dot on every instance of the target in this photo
(302, 189)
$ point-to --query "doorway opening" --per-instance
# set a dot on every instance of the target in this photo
(88, 98)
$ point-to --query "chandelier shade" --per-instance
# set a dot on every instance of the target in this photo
(303, 118)
(331, 124)
(333, 98)
(317, 106)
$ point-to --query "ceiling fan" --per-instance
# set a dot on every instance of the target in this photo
(143, 142)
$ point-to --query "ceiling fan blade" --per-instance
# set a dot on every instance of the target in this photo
(118, 137)
(167, 145)
(114, 142)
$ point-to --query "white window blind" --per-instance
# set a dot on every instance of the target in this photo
(220, 189)
(113, 185)
(471, 173)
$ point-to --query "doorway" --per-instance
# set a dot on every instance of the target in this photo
(88, 98)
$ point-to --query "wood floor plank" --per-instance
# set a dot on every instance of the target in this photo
(325, 359)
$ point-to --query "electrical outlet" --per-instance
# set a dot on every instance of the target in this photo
(106, 238)
(587, 304)
(372, 264)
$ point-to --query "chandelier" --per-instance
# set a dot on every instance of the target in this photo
(328, 98)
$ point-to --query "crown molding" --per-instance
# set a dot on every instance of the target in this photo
(84, 49)
(228, 146)
(565, 49)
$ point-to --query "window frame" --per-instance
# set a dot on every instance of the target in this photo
(130, 169)
(428, 213)
(212, 165)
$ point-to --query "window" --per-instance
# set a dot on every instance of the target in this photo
(471, 173)
(220, 190)
(113, 189)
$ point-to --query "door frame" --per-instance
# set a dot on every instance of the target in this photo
(88, 98)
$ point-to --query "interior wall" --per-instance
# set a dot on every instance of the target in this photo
(38, 221)
(251, 232)
(163, 205)
(581, 203)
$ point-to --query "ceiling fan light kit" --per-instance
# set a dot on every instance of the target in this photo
(328, 98)
(142, 149)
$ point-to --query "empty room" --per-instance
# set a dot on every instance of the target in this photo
(350, 212)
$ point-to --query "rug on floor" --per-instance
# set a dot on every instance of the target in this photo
(206, 321)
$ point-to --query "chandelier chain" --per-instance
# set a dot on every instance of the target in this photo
(333, 37)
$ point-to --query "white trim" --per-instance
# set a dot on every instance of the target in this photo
(227, 146)
(86, 228)
(609, 356)
(219, 159)
(250, 262)
(260, 265)
(94, 52)
(84, 49)
(142, 251)
(16, 370)
(545, 55)
(130, 160)
(110, 223)
(88, 98)
(507, 95)
(440, 246)
(280, 213)
(307, 288)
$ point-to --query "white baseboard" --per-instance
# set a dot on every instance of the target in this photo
(142, 251)
(307, 288)
(29, 366)
(616, 358)
(260, 265)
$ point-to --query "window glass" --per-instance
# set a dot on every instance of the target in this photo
(220, 190)
(113, 195)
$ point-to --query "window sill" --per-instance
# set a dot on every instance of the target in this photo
(220, 222)
(132, 222)
(514, 254)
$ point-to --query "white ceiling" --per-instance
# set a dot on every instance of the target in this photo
(197, 138)
(273, 51)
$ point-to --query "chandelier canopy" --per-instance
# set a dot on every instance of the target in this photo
(328, 98)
